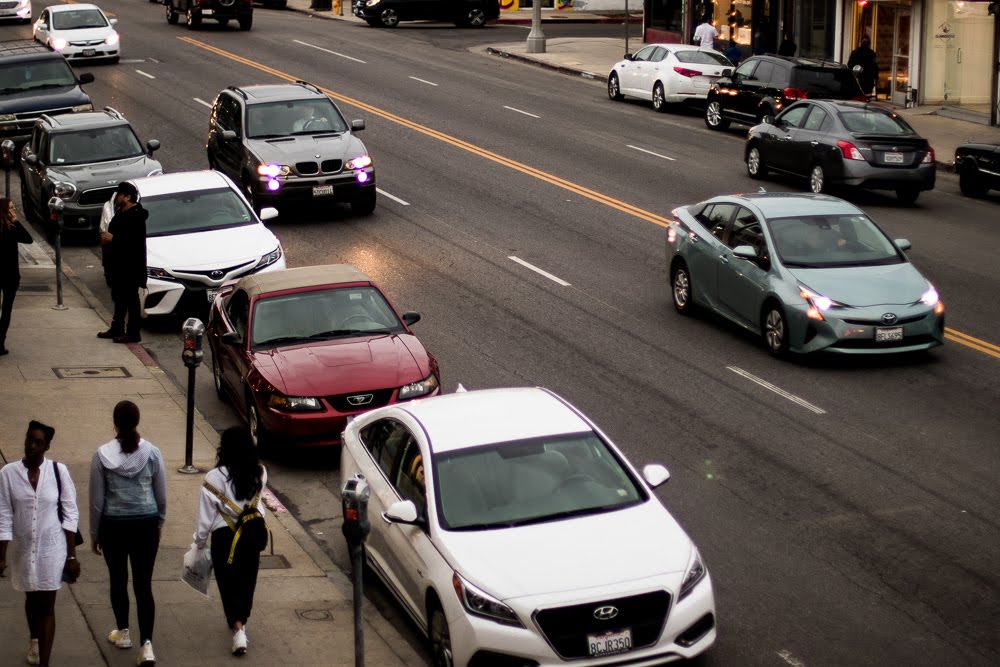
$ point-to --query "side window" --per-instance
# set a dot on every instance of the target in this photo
(644, 54)
(222, 113)
(237, 310)
(43, 147)
(747, 231)
(817, 120)
(410, 476)
(743, 71)
(794, 116)
(659, 54)
(383, 439)
(36, 139)
(763, 71)
(718, 219)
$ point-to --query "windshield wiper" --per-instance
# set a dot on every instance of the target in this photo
(331, 133)
(801, 265)
(563, 515)
(46, 85)
(282, 339)
(334, 333)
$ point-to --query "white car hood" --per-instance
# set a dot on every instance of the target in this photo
(218, 248)
(572, 554)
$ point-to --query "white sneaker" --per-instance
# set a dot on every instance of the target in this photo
(120, 638)
(240, 642)
(33, 657)
(146, 657)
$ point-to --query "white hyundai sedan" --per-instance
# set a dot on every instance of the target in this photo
(514, 532)
(667, 74)
(79, 32)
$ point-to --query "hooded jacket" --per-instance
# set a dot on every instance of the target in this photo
(128, 247)
(127, 486)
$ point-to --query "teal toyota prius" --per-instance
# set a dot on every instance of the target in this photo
(806, 272)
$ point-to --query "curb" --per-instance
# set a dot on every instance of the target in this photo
(562, 69)
(513, 20)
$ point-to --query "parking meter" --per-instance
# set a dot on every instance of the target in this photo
(354, 503)
(193, 331)
(56, 207)
(7, 147)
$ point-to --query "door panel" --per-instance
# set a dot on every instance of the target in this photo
(742, 283)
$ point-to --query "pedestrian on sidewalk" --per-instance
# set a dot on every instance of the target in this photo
(864, 56)
(128, 504)
(231, 511)
(43, 553)
(11, 233)
(788, 47)
(705, 34)
(126, 237)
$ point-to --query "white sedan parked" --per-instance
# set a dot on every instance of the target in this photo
(667, 74)
(514, 532)
(79, 32)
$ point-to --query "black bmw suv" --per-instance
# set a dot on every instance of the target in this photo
(764, 85)
(223, 11)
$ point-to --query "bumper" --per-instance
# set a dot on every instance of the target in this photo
(224, 13)
(346, 187)
(82, 218)
(164, 296)
(855, 332)
(872, 177)
(680, 91)
(83, 53)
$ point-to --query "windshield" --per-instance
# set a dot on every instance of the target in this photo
(76, 19)
(38, 74)
(870, 121)
(198, 211)
(324, 314)
(838, 83)
(832, 240)
(280, 119)
(702, 57)
(532, 481)
(97, 145)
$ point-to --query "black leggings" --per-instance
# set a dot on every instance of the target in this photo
(8, 289)
(135, 540)
(237, 582)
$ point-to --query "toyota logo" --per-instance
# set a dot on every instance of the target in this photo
(605, 613)
(215, 275)
(362, 399)
(889, 318)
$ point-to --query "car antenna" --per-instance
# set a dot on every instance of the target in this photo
(761, 190)
(460, 389)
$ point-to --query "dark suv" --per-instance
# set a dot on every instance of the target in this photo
(223, 11)
(764, 85)
(289, 142)
(463, 13)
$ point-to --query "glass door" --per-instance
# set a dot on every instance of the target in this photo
(899, 79)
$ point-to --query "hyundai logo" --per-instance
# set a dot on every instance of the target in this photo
(364, 399)
(605, 613)
(889, 318)
(215, 275)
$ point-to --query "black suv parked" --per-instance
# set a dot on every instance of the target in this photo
(222, 11)
(764, 85)
(978, 167)
(36, 80)
(289, 142)
(463, 13)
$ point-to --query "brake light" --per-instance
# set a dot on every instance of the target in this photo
(795, 94)
(860, 98)
(929, 157)
(849, 150)
(683, 71)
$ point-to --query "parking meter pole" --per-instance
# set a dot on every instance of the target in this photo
(354, 505)
(56, 206)
(193, 331)
(357, 565)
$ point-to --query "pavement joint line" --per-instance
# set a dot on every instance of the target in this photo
(777, 390)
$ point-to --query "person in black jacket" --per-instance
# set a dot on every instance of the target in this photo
(788, 47)
(865, 57)
(11, 233)
(127, 236)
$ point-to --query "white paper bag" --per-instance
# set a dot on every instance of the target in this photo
(197, 572)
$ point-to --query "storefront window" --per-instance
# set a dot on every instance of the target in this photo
(666, 15)
(959, 47)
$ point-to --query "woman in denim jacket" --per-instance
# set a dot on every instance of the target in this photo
(128, 503)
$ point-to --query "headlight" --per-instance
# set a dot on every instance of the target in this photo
(83, 107)
(360, 162)
(7, 117)
(415, 389)
(63, 190)
(371, 3)
(112, 39)
(478, 603)
(930, 297)
(817, 302)
(695, 572)
(58, 43)
(272, 170)
(293, 403)
(153, 272)
(269, 258)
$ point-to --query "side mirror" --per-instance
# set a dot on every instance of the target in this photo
(30, 159)
(769, 120)
(903, 244)
(655, 475)
(86, 77)
(228, 135)
(628, 56)
(728, 72)
(268, 213)
(232, 338)
(410, 318)
(404, 512)
(357, 125)
(745, 252)
(152, 145)
(113, 21)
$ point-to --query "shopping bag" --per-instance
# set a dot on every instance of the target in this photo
(143, 293)
(197, 572)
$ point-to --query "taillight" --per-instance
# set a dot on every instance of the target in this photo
(683, 71)
(929, 157)
(860, 98)
(849, 150)
(795, 94)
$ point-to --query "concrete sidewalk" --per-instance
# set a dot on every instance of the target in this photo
(59, 373)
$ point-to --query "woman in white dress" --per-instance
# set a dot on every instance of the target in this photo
(42, 549)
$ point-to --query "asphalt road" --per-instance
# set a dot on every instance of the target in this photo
(862, 535)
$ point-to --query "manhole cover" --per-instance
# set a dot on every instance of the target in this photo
(314, 614)
(277, 562)
(75, 372)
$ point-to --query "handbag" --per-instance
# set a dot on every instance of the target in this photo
(78, 539)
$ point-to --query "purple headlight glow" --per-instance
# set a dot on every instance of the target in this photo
(362, 177)
(270, 170)
(273, 184)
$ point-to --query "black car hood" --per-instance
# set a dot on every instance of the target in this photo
(43, 99)
(307, 148)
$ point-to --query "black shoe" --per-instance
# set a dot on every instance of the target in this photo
(128, 339)
(110, 333)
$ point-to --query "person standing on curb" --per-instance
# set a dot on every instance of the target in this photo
(126, 236)
(705, 34)
(11, 233)
(128, 504)
(231, 511)
(864, 56)
(44, 548)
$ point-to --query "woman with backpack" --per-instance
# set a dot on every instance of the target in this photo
(231, 511)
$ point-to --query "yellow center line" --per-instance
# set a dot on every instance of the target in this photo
(950, 334)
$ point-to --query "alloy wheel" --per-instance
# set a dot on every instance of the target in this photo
(441, 654)
(614, 90)
(659, 104)
(774, 331)
(476, 18)
(817, 179)
(753, 162)
(390, 19)
(681, 289)
(713, 115)
(253, 422)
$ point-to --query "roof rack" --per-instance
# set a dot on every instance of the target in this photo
(310, 86)
(114, 113)
(237, 89)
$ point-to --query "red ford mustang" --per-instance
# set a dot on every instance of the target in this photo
(299, 351)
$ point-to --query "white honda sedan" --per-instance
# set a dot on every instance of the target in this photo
(667, 74)
(514, 532)
(79, 32)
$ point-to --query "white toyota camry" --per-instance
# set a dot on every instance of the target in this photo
(79, 32)
(514, 532)
(667, 74)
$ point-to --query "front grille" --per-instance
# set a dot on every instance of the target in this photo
(222, 274)
(96, 196)
(880, 323)
(8, 5)
(306, 168)
(380, 397)
(88, 42)
(870, 344)
(484, 658)
(331, 166)
(33, 115)
(566, 628)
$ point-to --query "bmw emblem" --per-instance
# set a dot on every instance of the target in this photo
(889, 318)
(605, 613)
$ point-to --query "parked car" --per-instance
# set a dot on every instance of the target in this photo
(78, 31)
(978, 167)
(491, 513)
(667, 74)
(15, 10)
(843, 143)
(299, 352)
(463, 13)
(81, 158)
(806, 272)
(289, 142)
(223, 11)
(765, 85)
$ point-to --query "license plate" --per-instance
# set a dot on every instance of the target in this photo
(89, 52)
(211, 294)
(609, 643)
(206, 12)
(893, 158)
(322, 190)
(887, 335)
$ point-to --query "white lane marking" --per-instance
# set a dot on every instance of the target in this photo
(538, 270)
(777, 390)
(202, 102)
(519, 111)
(129, 61)
(154, 60)
(429, 83)
(787, 656)
(392, 197)
(148, 76)
(643, 150)
(320, 48)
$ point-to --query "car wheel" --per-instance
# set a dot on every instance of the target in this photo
(680, 288)
(713, 116)
(172, 16)
(193, 20)
(29, 209)
(247, 23)
(248, 192)
(907, 195)
(389, 18)
(114, 60)
(971, 183)
(375, 23)
(755, 163)
(440, 638)
(659, 104)
(365, 204)
(475, 18)
(775, 329)
(817, 179)
(614, 88)
(258, 434)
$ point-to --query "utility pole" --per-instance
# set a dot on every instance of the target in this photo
(536, 38)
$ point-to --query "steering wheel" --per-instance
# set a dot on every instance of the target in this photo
(314, 123)
(356, 316)
(578, 478)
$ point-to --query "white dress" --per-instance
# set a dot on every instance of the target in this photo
(29, 519)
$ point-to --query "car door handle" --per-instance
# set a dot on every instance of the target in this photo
(385, 517)
(787, 137)
(725, 258)
(814, 143)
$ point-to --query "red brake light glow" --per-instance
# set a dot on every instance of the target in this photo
(795, 94)
(683, 71)
(849, 150)
(930, 155)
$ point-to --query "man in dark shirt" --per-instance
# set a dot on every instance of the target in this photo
(787, 46)
(127, 237)
(865, 57)
(11, 233)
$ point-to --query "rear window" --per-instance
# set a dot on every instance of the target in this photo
(702, 57)
(870, 121)
(827, 82)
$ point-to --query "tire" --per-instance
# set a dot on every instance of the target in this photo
(114, 60)
(756, 167)
(375, 23)
(389, 18)
(247, 23)
(713, 116)
(908, 195)
(172, 16)
(614, 88)
(249, 193)
(659, 103)
(365, 203)
(261, 438)
(193, 20)
(680, 288)
(439, 637)
(774, 329)
(30, 212)
(474, 18)
(971, 183)
(220, 391)
(817, 180)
